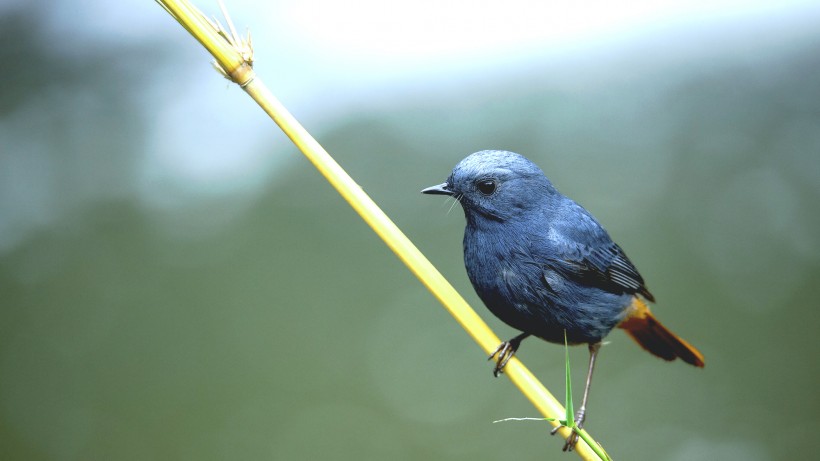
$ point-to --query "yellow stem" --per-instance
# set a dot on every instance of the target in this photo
(230, 60)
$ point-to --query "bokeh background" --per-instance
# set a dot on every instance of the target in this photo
(177, 282)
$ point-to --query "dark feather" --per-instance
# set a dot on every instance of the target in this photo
(605, 267)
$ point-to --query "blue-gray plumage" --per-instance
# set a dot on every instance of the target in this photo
(545, 266)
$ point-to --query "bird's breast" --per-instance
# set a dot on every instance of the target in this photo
(496, 267)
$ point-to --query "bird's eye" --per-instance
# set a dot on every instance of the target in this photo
(486, 186)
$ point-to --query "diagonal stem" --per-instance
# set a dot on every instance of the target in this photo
(239, 70)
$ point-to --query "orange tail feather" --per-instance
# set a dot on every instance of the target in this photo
(648, 332)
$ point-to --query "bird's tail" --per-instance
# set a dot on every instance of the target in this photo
(647, 331)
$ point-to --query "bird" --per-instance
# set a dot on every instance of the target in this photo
(546, 267)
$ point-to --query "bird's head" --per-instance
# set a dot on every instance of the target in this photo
(496, 185)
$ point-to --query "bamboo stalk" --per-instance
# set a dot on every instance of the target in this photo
(234, 59)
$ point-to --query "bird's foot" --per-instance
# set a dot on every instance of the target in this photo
(505, 351)
(573, 438)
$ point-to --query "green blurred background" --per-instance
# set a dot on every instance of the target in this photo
(177, 282)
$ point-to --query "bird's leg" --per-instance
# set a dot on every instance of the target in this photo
(581, 414)
(505, 352)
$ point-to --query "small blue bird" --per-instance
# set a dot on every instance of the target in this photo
(543, 265)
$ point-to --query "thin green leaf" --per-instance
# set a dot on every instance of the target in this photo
(595, 446)
(570, 411)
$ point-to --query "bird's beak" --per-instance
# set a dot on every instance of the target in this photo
(440, 189)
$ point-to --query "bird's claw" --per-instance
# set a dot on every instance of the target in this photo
(572, 440)
(505, 352)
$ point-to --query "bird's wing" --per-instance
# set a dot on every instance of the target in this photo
(606, 267)
(584, 252)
